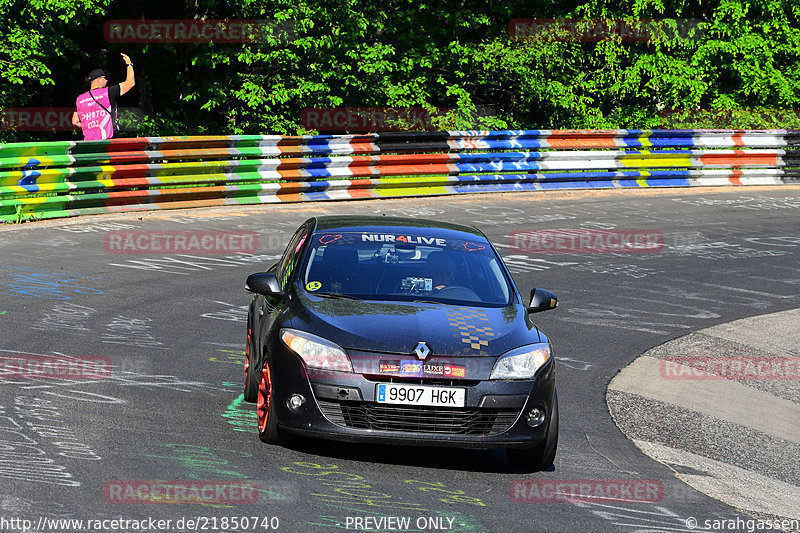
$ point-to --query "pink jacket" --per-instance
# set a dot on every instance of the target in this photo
(96, 122)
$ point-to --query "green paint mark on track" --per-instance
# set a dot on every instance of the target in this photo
(241, 415)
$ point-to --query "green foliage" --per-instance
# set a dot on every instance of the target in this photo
(20, 216)
(718, 63)
(32, 37)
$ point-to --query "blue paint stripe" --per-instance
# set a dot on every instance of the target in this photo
(321, 195)
(28, 180)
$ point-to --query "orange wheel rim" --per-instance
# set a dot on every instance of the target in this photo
(264, 398)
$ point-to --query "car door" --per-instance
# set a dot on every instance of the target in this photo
(268, 308)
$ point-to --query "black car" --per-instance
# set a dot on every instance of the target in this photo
(400, 331)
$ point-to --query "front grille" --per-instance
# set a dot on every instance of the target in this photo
(413, 419)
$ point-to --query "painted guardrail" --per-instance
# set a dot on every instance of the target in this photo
(58, 179)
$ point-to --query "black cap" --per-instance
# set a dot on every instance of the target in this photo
(96, 73)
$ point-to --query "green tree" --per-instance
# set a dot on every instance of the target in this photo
(727, 55)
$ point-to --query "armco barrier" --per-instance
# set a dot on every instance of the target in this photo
(58, 179)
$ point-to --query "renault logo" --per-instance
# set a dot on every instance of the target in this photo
(422, 350)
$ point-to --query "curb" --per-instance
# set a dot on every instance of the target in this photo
(735, 438)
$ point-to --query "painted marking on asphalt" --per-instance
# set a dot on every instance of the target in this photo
(723, 399)
(740, 488)
(748, 291)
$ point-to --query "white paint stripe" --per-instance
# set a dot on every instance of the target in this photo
(635, 325)
(738, 487)
(748, 291)
(777, 333)
(723, 399)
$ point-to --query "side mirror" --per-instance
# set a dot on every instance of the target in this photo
(542, 300)
(265, 283)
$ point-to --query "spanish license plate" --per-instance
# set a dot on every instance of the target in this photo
(420, 395)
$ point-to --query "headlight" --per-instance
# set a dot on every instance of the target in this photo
(315, 351)
(521, 363)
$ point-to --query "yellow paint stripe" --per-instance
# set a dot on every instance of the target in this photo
(643, 161)
(104, 176)
(410, 191)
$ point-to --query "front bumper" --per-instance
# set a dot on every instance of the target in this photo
(341, 406)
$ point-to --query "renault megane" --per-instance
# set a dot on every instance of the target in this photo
(400, 331)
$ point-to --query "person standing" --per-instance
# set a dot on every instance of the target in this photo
(97, 108)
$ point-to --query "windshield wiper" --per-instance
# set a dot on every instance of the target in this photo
(338, 295)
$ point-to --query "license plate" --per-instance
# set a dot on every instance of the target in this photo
(420, 395)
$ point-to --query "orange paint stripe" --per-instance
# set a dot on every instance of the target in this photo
(361, 148)
(583, 133)
(360, 189)
(288, 197)
(289, 188)
(571, 142)
(291, 174)
(740, 157)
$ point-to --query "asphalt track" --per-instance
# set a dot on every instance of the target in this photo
(173, 327)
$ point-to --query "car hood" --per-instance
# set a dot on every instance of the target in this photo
(397, 327)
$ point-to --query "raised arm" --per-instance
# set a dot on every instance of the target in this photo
(129, 82)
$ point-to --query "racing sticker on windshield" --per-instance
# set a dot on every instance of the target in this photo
(327, 239)
(313, 286)
(473, 246)
(472, 326)
(403, 239)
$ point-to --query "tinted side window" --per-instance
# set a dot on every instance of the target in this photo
(291, 256)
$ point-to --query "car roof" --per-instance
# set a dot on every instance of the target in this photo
(378, 224)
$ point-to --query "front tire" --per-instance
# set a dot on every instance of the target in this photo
(251, 376)
(267, 427)
(542, 456)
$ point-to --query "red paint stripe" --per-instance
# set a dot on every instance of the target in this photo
(173, 204)
(734, 178)
(404, 159)
(132, 156)
(362, 148)
(162, 195)
(581, 139)
(401, 170)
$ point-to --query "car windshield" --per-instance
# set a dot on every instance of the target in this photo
(405, 267)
